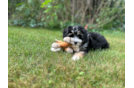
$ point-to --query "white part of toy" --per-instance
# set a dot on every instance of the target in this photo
(69, 50)
(55, 47)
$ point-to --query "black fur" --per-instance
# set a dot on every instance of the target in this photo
(92, 40)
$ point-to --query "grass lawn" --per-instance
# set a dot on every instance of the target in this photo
(31, 64)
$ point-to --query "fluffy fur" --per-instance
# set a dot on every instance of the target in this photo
(84, 41)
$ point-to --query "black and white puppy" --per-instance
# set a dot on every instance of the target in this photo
(83, 41)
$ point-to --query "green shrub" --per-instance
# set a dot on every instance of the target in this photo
(58, 14)
(28, 13)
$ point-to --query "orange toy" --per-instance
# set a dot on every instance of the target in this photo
(58, 45)
(63, 45)
(68, 45)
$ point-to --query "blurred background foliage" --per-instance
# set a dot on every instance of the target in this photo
(58, 14)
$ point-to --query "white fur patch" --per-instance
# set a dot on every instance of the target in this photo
(76, 39)
(72, 31)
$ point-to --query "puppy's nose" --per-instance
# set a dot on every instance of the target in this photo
(75, 43)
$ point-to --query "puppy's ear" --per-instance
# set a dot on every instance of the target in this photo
(66, 31)
(84, 32)
(82, 29)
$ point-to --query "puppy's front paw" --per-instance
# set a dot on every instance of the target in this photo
(75, 58)
(78, 55)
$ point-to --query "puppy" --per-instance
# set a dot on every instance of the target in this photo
(83, 41)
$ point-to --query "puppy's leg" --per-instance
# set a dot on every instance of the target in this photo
(69, 50)
(78, 55)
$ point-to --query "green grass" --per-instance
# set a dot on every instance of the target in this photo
(31, 64)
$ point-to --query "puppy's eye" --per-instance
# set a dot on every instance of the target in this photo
(80, 36)
(71, 35)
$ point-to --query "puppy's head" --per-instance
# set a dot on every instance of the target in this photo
(78, 33)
